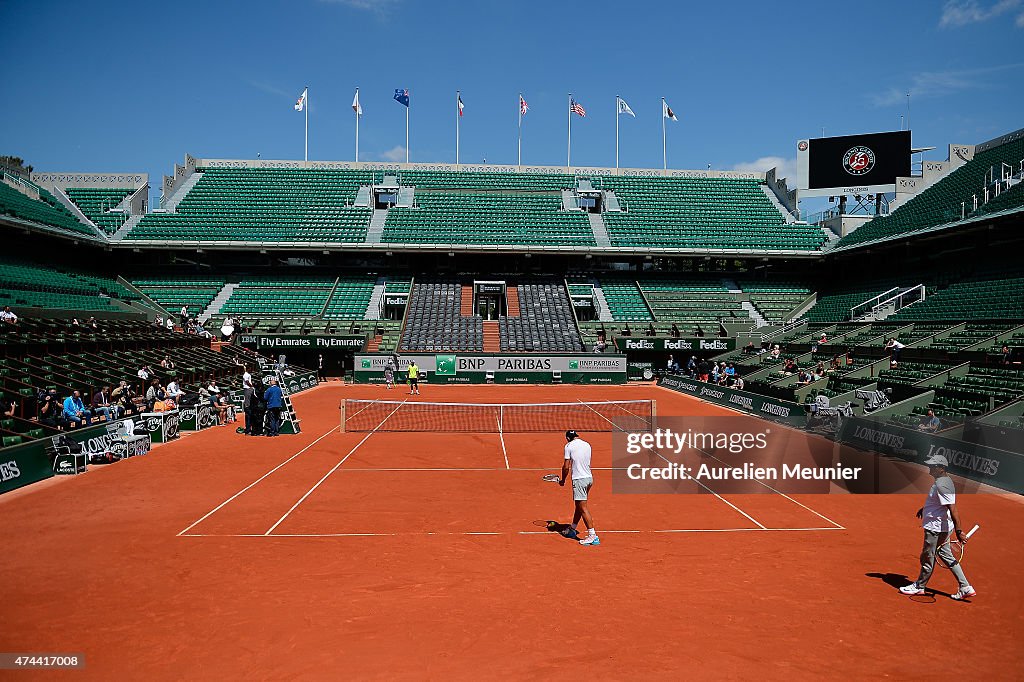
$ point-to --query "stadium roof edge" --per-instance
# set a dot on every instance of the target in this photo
(202, 164)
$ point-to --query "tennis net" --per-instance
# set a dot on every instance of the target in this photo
(384, 415)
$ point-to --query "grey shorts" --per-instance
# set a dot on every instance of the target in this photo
(580, 488)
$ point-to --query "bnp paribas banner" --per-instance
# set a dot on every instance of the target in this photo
(456, 367)
(627, 344)
(760, 405)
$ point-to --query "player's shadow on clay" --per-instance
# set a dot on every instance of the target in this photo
(898, 580)
(563, 529)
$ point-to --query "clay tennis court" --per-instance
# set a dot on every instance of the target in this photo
(415, 555)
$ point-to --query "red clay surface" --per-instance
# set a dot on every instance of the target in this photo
(369, 572)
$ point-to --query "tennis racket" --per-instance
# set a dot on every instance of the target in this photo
(551, 478)
(957, 547)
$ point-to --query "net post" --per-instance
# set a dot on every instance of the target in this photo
(654, 408)
(341, 409)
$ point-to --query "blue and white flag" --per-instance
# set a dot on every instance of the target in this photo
(402, 96)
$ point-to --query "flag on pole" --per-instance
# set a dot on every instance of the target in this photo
(575, 108)
(460, 105)
(667, 112)
(300, 104)
(402, 96)
(356, 106)
(523, 106)
(624, 108)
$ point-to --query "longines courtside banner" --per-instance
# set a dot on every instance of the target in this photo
(626, 344)
(760, 405)
(1000, 468)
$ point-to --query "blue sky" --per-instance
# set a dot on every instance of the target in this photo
(127, 86)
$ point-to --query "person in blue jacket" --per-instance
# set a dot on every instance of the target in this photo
(75, 413)
(272, 396)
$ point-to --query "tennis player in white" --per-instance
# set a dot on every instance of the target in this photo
(577, 458)
(939, 517)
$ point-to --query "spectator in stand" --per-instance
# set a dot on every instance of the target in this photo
(144, 373)
(738, 384)
(749, 348)
(698, 331)
(75, 413)
(703, 369)
(672, 366)
(930, 424)
(730, 370)
(121, 398)
(91, 322)
(835, 364)
(50, 409)
(1006, 354)
(169, 324)
(166, 363)
(823, 340)
(803, 378)
(74, 322)
(6, 406)
(101, 404)
(691, 366)
(184, 316)
(174, 391)
(790, 367)
(650, 330)
(159, 321)
(213, 392)
(273, 398)
(776, 352)
(674, 331)
(895, 348)
(7, 317)
(154, 393)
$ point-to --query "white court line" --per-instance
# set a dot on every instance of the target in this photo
(225, 502)
(501, 435)
(779, 492)
(508, 533)
(751, 518)
(333, 469)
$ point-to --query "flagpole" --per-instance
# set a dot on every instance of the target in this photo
(519, 157)
(616, 132)
(458, 98)
(664, 146)
(307, 123)
(407, 107)
(568, 152)
(357, 126)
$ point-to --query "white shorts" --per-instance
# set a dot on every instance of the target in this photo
(581, 487)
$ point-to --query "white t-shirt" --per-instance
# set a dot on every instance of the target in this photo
(8, 316)
(897, 345)
(247, 380)
(935, 517)
(579, 451)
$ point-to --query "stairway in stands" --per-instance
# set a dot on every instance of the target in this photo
(492, 338)
(512, 301)
(466, 306)
(374, 344)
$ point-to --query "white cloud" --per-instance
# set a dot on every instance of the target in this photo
(964, 12)
(273, 90)
(396, 153)
(786, 168)
(378, 7)
(1020, 20)
(929, 84)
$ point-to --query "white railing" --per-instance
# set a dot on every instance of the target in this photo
(871, 303)
(895, 302)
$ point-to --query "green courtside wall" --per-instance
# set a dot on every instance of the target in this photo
(999, 468)
(745, 401)
(472, 368)
(28, 463)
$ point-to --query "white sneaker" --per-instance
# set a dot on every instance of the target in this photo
(912, 589)
(591, 541)
(965, 593)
